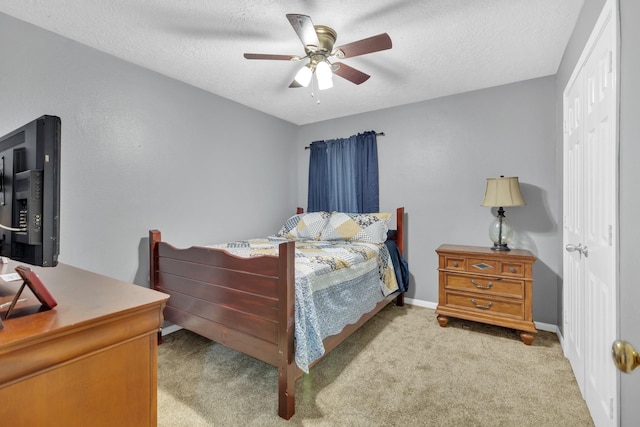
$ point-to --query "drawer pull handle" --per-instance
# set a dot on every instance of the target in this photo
(455, 263)
(484, 307)
(512, 270)
(489, 285)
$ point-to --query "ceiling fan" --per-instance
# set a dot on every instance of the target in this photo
(318, 41)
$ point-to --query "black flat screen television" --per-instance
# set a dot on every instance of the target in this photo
(30, 193)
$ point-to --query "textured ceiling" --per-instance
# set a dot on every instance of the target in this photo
(440, 47)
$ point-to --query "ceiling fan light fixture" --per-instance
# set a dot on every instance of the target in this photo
(319, 46)
(324, 75)
(303, 76)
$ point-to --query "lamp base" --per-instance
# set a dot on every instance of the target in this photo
(502, 247)
(500, 232)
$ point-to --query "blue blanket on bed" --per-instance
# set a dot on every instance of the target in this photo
(400, 265)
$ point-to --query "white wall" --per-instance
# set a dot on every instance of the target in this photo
(141, 151)
(434, 160)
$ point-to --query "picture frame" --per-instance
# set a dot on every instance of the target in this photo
(31, 279)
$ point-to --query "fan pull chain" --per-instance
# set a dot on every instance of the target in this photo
(314, 88)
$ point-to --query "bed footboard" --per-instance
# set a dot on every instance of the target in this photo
(246, 304)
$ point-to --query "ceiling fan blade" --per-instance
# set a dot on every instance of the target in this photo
(364, 46)
(350, 73)
(268, 56)
(303, 26)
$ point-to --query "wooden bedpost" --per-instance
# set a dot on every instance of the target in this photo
(400, 243)
(286, 316)
(400, 229)
(154, 238)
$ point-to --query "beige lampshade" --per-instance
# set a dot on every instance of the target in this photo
(503, 192)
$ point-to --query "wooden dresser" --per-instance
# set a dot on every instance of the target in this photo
(483, 285)
(90, 361)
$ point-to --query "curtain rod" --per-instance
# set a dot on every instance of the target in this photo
(377, 134)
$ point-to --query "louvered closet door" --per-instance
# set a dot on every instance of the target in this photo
(590, 223)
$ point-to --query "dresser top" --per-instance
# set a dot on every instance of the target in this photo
(83, 298)
(484, 251)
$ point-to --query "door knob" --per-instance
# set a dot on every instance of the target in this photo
(624, 356)
(582, 249)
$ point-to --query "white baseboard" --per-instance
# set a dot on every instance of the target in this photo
(166, 330)
(433, 305)
(548, 327)
(421, 303)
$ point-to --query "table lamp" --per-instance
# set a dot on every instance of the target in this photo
(502, 192)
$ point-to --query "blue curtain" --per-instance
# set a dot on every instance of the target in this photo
(318, 177)
(343, 175)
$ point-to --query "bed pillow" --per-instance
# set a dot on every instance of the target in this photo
(356, 227)
(306, 226)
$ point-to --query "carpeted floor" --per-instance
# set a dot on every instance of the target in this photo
(400, 369)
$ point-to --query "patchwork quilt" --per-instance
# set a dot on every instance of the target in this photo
(336, 282)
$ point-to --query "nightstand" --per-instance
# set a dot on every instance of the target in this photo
(483, 285)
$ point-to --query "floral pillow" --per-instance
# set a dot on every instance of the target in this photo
(356, 227)
(306, 226)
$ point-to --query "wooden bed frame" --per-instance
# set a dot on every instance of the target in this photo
(246, 304)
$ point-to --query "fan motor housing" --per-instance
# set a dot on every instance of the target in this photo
(327, 37)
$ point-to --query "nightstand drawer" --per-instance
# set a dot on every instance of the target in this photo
(485, 266)
(495, 307)
(493, 286)
(512, 269)
(455, 263)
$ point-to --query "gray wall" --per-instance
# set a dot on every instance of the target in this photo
(140, 151)
(434, 160)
